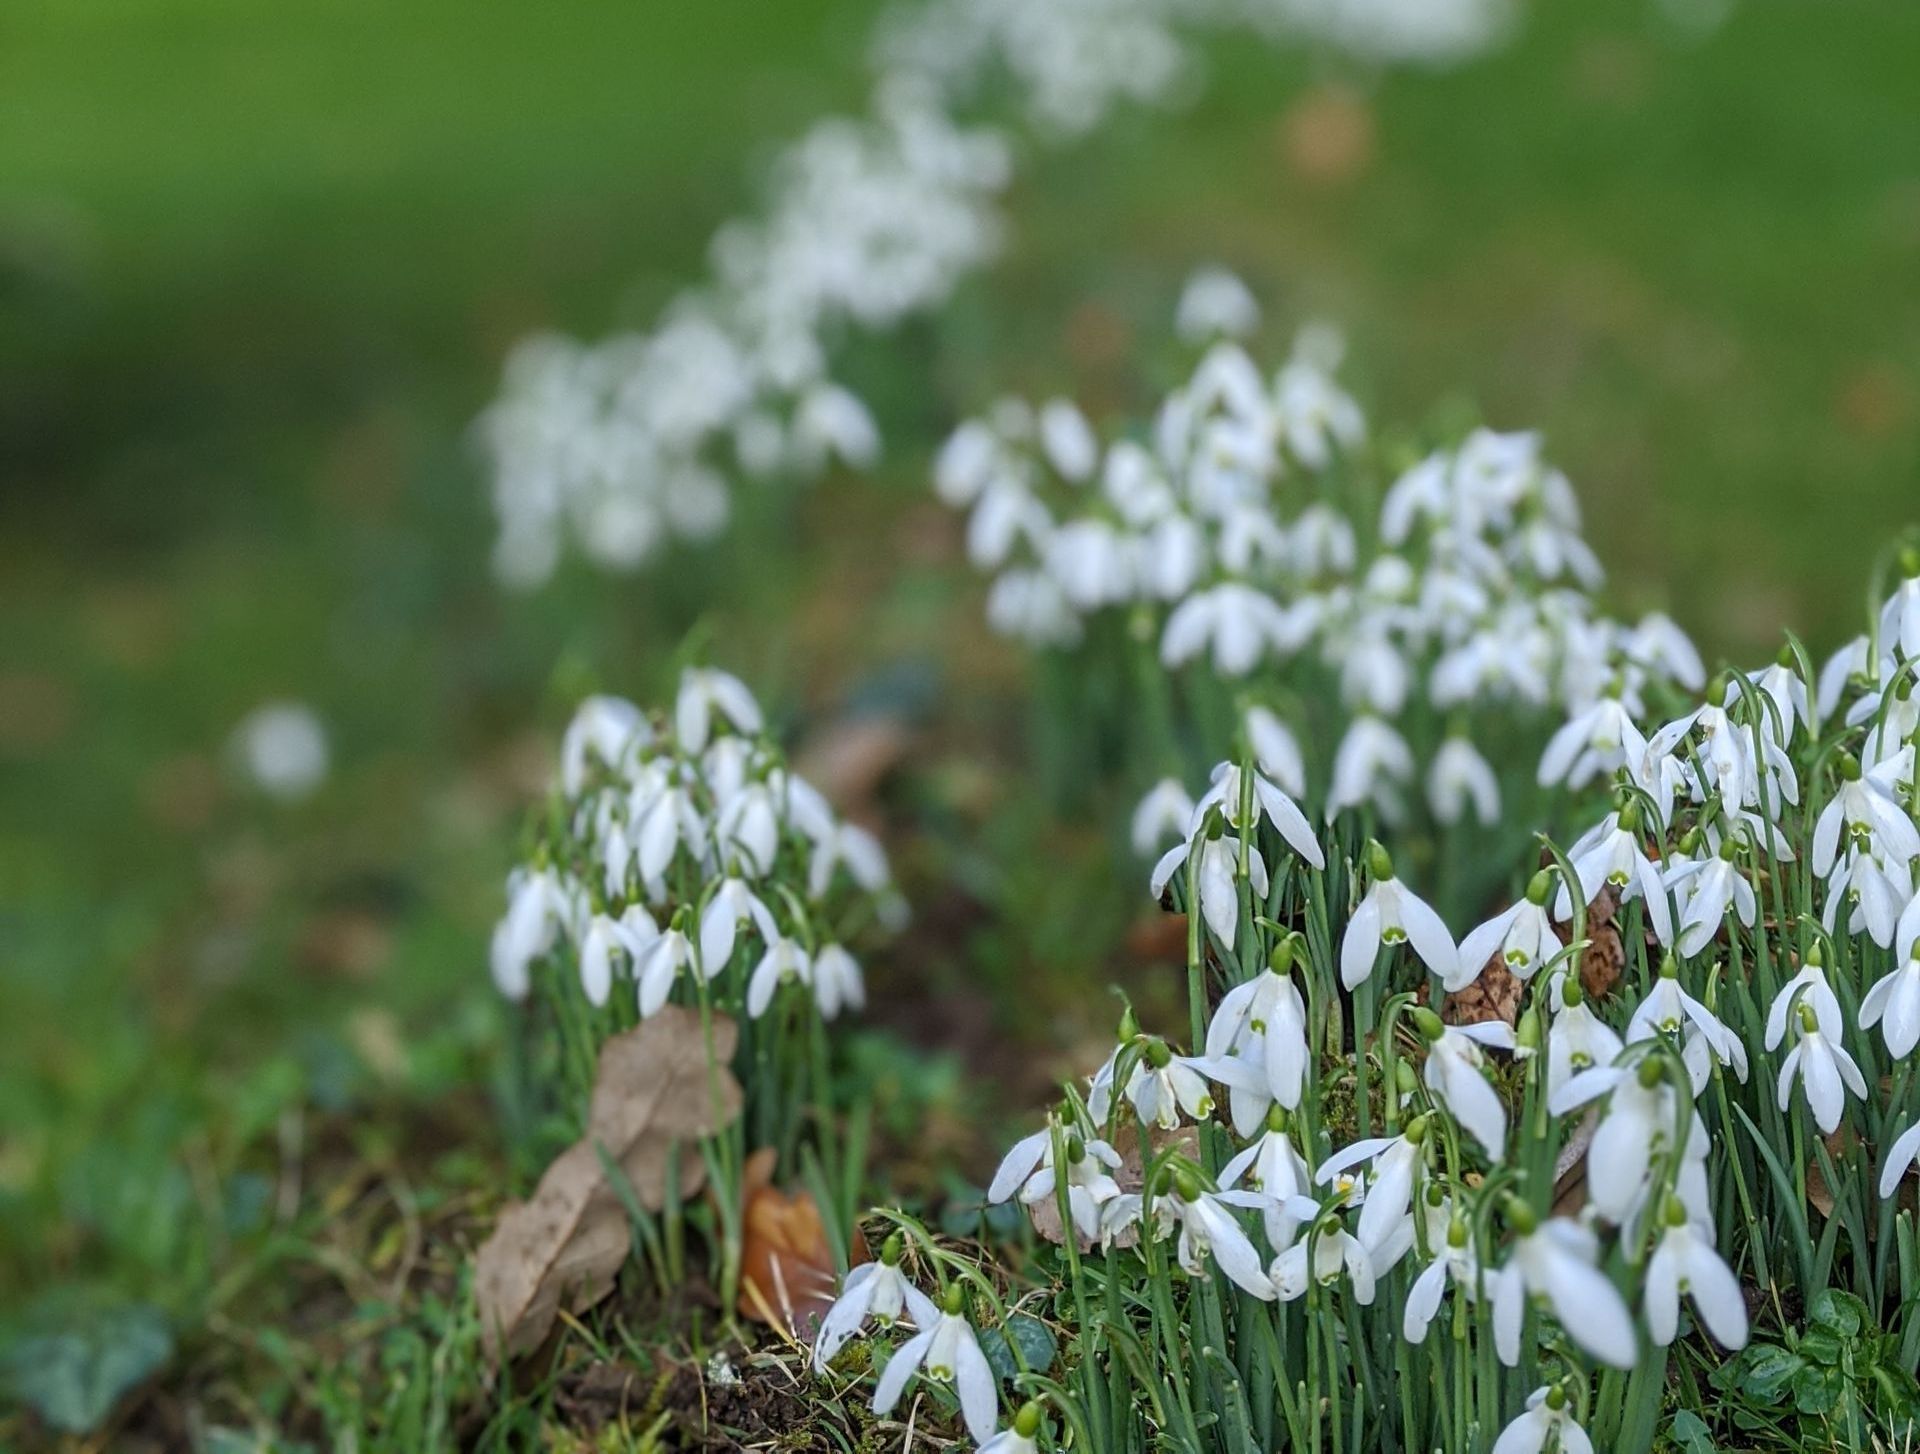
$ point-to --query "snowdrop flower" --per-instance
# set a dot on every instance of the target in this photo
(1163, 813)
(732, 905)
(1825, 1070)
(852, 845)
(703, 691)
(1874, 890)
(632, 932)
(1838, 674)
(1669, 1010)
(784, 960)
(1455, 1073)
(878, 1290)
(1866, 811)
(1208, 1228)
(1554, 1261)
(1780, 684)
(1028, 605)
(282, 748)
(1600, 739)
(1369, 766)
(1900, 1156)
(1029, 1169)
(1320, 420)
(1712, 887)
(1161, 1085)
(837, 981)
(606, 728)
(1900, 618)
(1521, 938)
(1215, 304)
(1093, 562)
(1546, 1423)
(1396, 1166)
(1684, 1261)
(1322, 1256)
(672, 820)
(1218, 871)
(1263, 1022)
(1236, 622)
(1579, 1039)
(1276, 751)
(1271, 1166)
(1068, 441)
(1281, 810)
(1020, 1438)
(1454, 1265)
(1611, 855)
(1894, 1004)
(1458, 777)
(1638, 1125)
(1391, 914)
(947, 1352)
(536, 905)
(1808, 986)
(659, 964)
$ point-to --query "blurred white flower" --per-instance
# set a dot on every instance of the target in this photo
(282, 748)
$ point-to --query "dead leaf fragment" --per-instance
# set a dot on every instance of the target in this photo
(654, 1090)
(787, 1273)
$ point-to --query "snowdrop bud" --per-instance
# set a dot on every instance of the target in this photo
(1526, 1035)
(1456, 1234)
(1427, 1023)
(1540, 886)
(1379, 862)
(1129, 1026)
(1404, 1080)
(1026, 1423)
(955, 1300)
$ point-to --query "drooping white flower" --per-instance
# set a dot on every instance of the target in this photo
(1554, 1260)
(1684, 1261)
(1600, 739)
(1577, 1040)
(1226, 792)
(631, 933)
(1068, 440)
(1161, 1085)
(785, 961)
(837, 981)
(536, 908)
(1894, 1004)
(1454, 1265)
(658, 965)
(1272, 1167)
(1236, 622)
(878, 1290)
(1546, 1423)
(946, 1352)
(1208, 1229)
(1029, 1170)
(1809, 986)
(1875, 890)
(1322, 1256)
(1711, 888)
(1639, 1124)
(704, 691)
(1867, 812)
(1276, 751)
(603, 728)
(853, 846)
(1901, 1155)
(1163, 813)
(1900, 617)
(1825, 1071)
(732, 905)
(1610, 855)
(1396, 1164)
(1455, 1073)
(1670, 1010)
(1391, 914)
(1521, 937)
(1837, 676)
(1371, 765)
(1218, 874)
(1215, 304)
(1459, 777)
(1263, 1023)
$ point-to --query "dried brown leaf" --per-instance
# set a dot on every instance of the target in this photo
(654, 1090)
(787, 1273)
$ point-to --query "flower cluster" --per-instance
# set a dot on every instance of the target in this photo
(629, 443)
(683, 857)
(1612, 1162)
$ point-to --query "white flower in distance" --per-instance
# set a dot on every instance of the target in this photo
(1163, 813)
(1029, 1169)
(282, 748)
(1215, 304)
(1826, 1073)
(1554, 1261)
(1392, 914)
(1838, 675)
(785, 961)
(1093, 562)
(1521, 938)
(732, 905)
(837, 981)
(536, 907)
(1600, 739)
(876, 1290)
(1276, 751)
(631, 933)
(1229, 784)
(1546, 1424)
(1218, 873)
(1068, 440)
(659, 965)
(603, 728)
(1456, 1073)
(1371, 765)
(672, 821)
(1459, 778)
(1894, 1004)
(1900, 618)
(853, 846)
(1684, 1261)
(1236, 622)
(946, 1352)
(703, 691)
(1610, 855)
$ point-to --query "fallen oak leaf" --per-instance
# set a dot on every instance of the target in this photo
(787, 1274)
(654, 1089)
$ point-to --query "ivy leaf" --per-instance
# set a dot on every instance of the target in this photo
(1033, 1338)
(1821, 1346)
(1841, 1312)
(74, 1377)
(1817, 1390)
(1768, 1369)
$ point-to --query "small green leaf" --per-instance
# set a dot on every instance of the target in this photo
(1821, 1346)
(1032, 1337)
(1841, 1312)
(1691, 1433)
(74, 1377)
(1817, 1390)
(1767, 1369)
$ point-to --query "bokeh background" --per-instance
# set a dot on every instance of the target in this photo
(259, 266)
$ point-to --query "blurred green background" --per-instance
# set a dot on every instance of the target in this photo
(259, 266)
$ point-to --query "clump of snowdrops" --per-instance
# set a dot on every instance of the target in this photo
(625, 446)
(1338, 1210)
(679, 860)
